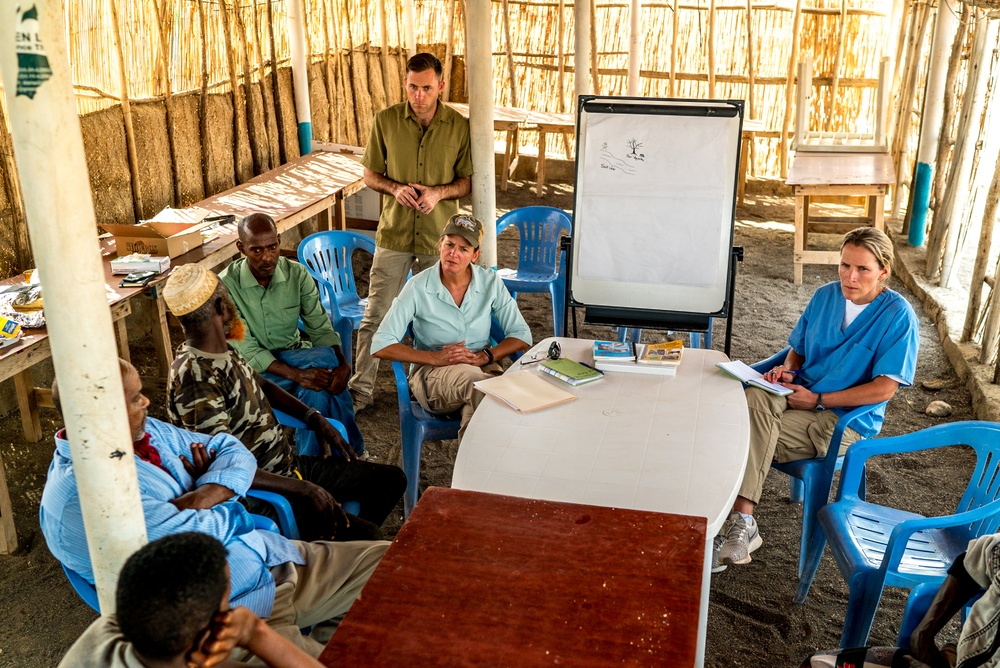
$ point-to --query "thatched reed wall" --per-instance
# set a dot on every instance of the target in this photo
(180, 98)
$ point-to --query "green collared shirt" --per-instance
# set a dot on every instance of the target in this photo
(403, 151)
(272, 314)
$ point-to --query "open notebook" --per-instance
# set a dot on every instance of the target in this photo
(751, 377)
(524, 391)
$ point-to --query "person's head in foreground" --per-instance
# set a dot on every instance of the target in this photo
(172, 597)
(865, 264)
(201, 303)
(260, 242)
(459, 244)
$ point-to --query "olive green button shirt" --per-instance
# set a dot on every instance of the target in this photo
(403, 151)
(272, 314)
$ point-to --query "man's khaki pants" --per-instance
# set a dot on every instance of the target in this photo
(446, 389)
(388, 274)
(782, 434)
(319, 593)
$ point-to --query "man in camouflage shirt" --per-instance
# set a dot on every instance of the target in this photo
(211, 390)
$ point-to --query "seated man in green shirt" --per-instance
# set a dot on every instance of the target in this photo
(271, 294)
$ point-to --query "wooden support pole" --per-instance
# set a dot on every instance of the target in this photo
(635, 46)
(266, 93)
(711, 49)
(595, 70)
(275, 87)
(449, 49)
(239, 106)
(164, 28)
(261, 155)
(982, 263)
(133, 158)
(751, 65)
(410, 27)
(955, 64)
(793, 59)
(581, 49)
(328, 83)
(203, 100)
(908, 96)
(510, 53)
(561, 54)
(837, 61)
(674, 32)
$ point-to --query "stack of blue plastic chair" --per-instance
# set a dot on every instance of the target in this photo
(327, 255)
(541, 266)
(810, 480)
(877, 546)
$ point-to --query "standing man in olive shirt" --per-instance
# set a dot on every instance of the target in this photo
(420, 159)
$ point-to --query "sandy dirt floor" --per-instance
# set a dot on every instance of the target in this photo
(752, 619)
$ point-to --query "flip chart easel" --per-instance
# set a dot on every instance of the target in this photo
(654, 212)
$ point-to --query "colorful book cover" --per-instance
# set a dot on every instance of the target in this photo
(570, 371)
(613, 350)
(668, 353)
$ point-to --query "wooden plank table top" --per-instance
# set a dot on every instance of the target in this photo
(841, 169)
(484, 579)
(502, 116)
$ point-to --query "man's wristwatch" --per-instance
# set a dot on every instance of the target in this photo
(819, 402)
(309, 415)
(489, 355)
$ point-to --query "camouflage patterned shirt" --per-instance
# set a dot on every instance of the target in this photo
(219, 392)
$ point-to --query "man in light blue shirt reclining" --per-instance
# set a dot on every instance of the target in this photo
(190, 482)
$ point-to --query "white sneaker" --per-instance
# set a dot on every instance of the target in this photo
(718, 566)
(741, 540)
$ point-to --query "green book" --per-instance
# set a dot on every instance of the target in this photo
(570, 372)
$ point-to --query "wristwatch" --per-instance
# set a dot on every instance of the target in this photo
(489, 355)
(819, 402)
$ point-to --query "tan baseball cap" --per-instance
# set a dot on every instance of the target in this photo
(467, 227)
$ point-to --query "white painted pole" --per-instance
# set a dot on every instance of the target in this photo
(959, 193)
(945, 29)
(581, 50)
(636, 38)
(48, 147)
(479, 52)
(300, 75)
(410, 27)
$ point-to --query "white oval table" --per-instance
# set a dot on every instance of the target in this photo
(673, 444)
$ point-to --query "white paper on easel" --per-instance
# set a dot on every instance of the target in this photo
(524, 392)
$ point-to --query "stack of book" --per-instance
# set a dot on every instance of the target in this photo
(652, 358)
(569, 371)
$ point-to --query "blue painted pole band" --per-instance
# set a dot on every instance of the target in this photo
(921, 200)
(305, 138)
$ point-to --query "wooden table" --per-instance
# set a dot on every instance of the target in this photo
(673, 444)
(480, 579)
(814, 174)
(505, 119)
(313, 184)
(550, 122)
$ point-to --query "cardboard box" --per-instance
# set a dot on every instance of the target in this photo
(170, 239)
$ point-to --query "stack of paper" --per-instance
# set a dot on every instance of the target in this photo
(523, 391)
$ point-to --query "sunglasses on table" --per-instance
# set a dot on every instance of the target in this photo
(553, 353)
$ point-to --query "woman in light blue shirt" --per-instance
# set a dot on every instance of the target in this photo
(450, 307)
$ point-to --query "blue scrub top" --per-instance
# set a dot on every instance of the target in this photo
(882, 341)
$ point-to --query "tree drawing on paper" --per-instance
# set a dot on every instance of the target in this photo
(634, 144)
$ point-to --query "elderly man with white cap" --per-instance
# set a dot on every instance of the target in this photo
(211, 390)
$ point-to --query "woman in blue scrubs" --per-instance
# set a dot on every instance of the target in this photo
(856, 342)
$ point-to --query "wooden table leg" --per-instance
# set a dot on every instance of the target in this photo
(540, 167)
(161, 335)
(506, 160)
(339, 214)
(28, 407)
(122, 330)
(801, 220)
(8, 536)
(741, 189)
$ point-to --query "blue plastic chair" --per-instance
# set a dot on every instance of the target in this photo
(327, 256)
(877, 546)
(283, 509)
(810, 480)
(417, 425)
(917, 605)
(541, 265)
(88, 592)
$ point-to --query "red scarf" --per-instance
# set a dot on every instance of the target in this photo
(147, 452)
